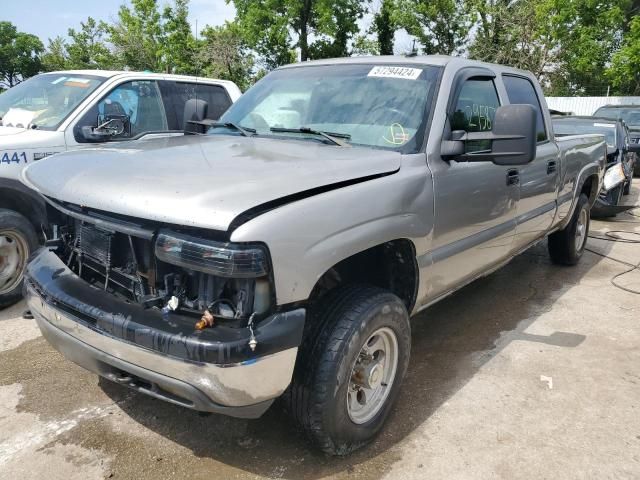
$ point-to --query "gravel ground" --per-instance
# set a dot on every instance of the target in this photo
(532, 372)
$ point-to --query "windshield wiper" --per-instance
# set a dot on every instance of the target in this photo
(244, 131)
(331, 136)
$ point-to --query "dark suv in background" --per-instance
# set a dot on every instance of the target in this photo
(621, 157)
(630, 114)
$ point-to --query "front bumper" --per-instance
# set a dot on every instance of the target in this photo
(213, 370)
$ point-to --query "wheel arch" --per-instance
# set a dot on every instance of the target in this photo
(15, 196)
(390, 265)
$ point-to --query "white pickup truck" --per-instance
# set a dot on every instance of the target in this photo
(60, 111)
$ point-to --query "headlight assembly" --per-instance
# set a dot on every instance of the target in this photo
(216, 258)
(613, 176)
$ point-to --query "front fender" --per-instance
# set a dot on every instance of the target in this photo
(308, 237)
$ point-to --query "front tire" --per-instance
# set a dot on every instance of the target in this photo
(567, 246)
(350, 369)
(18, 239)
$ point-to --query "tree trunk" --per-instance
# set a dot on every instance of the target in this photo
(305, 16)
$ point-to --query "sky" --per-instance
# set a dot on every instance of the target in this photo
(50, 18)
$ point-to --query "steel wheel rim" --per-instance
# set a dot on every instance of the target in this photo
(372, 375)
(14, 252)
(581, 229)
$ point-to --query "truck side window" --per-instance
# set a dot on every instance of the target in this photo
(215, 95)
(520, 90)
(138, 103)
(475, 110)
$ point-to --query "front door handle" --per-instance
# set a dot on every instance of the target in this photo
(513, 177)
(551, 167)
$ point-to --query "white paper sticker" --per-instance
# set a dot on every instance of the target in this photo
(606, 125)
(61, 79)
(395, 72)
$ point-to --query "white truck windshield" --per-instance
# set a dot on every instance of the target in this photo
(44, 101)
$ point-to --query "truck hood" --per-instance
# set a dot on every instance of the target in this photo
(11, 130)
(24, 138)
(203, 181)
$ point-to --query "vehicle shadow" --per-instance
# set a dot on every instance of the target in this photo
(452, 340)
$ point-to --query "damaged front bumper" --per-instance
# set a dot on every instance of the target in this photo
(617, 177)
(162, 356)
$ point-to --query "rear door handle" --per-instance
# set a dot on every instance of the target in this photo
(551, 167)
(513, 177)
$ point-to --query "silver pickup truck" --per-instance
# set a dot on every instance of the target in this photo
(282, 253)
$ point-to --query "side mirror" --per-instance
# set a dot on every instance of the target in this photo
(195, 117)
(109, 127)
(93, 135)
(513, 138)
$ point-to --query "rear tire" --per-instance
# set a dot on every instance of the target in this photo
(567, 246)
(18, 239)
(350, 367)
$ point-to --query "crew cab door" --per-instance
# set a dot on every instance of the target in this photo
(539, 178)
(475, 202)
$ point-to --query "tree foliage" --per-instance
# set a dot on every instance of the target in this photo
(87, 49)
(384, 26)
(624, 72)
(19, 55)
(575, 47)
(224, 54)
(319, 28)
(441, 26)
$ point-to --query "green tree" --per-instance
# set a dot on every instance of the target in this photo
(88, 49)
(441, 26)
(511, 33)
(178, 46)
(55, 58)
(587, 34)
(323, 28)
(19, 55)
(624, 72)
(384, 26)
(224, 54)
(138, 36)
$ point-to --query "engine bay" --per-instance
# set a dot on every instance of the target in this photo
(127, 266)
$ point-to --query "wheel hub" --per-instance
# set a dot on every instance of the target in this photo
(13, 255)
(368, 376)
(372, 375)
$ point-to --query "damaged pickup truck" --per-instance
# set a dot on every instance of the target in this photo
(282, 253)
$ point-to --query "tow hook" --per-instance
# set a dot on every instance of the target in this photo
(206, 320)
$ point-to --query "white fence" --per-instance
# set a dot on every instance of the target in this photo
(587, 105)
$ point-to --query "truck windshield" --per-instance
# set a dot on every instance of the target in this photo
(44, 101)
(564, 127)
(630, 115)
(379, 106)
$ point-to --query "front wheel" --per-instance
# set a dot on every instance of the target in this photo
(17, 240)
(348, 375)
(567, 246)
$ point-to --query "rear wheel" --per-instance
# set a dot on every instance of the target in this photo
(350, 368)
(17, 240)
(567, 246)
